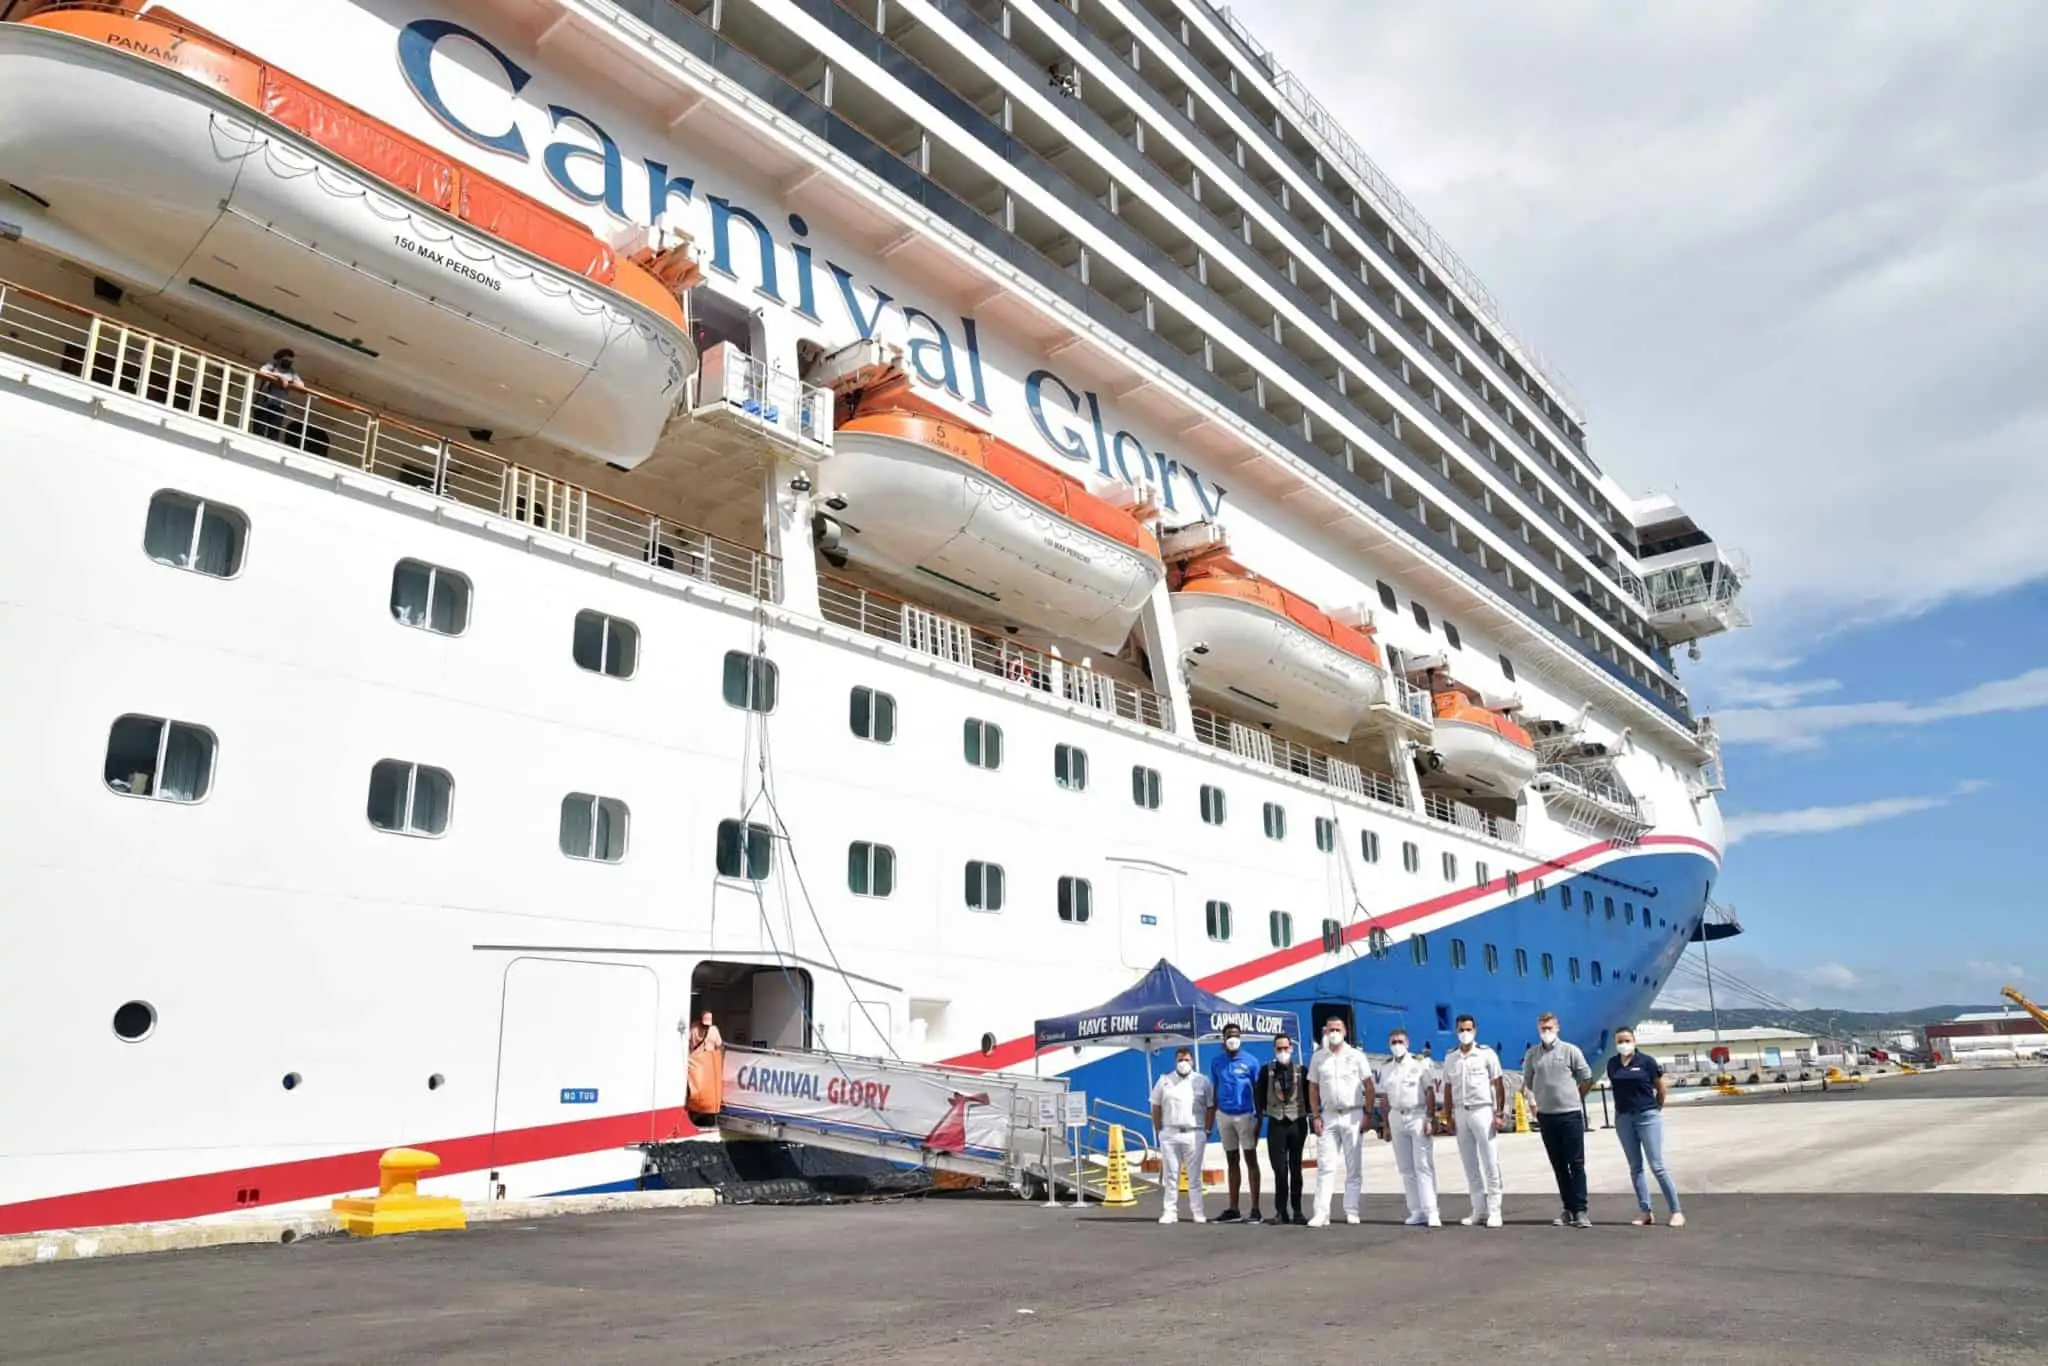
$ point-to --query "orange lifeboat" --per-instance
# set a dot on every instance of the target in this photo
(1479, 744)
(1247, 639)
(927, 501)
(171, 161)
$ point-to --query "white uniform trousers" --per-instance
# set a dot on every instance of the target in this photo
(1414, 1158)
(1338, 1146)
(1181, 1150)
(1477, 1145)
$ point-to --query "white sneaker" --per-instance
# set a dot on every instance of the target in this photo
(1319, 1221)
(1433, 1220)
(1493, 1219)
(1677, 1219)
(1199, 1217)
(1350, 1216)
(1416, 1220)
(1169, 1218)
(1473, 1219)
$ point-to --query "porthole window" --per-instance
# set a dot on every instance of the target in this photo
(981, 743)
(410, 799)
(1387, 598)
(1280, 928)
(1333, 936)
(1451, 637)
(1216, 916)
(1276, 821)
(870, 869)
(751, 681)
(1418, 949)
(605, 645)
(1369, 845)
(1326, 834)
(1628, 912)
(1450, 866)
(1609, 901)
(292, 1081)
(1549, 966)
(1076, 900)
(1481, 875)
(1212, 804)
(1572, 966)
(1070, 767)
(167, 761)
(1586, 901)
(1145, 787)
(429, 598)
(745, 850)
(1492, 958)
(984, 886)
(1521, 962)
(184, 532)
(1596, 972)
(1514, 880)
(1421, 613)
(1542, 892)
(1411, 856)
(871, 715)
(1507, 668)
(134, 1021)
(593, 827)
(1457, 953)
(1379, 942)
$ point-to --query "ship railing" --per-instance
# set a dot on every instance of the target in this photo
(780, 407)
(50, 333)
(1438, 807)
(1410, 700)
(935, 634)
(1277, 752)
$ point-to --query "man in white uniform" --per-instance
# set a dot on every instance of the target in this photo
(1475, 1093)
(1336, 1098)
(1181, 1104)
(1406, 1085)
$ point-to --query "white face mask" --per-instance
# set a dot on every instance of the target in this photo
(1183, 1067)
(1625, 1047)
(1547, 1035)
(1231, 1045)
(1466, 1036)
(1282, 1054)
(1333, 1039)
(1398, 1049)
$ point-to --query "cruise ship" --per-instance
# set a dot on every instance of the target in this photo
(878, 519)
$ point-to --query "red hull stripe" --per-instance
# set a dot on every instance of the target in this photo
(1015, 1051)
(187, 1197)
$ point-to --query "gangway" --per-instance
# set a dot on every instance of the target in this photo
(1000, 1126)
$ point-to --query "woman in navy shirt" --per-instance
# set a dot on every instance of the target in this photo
(1638, 1083)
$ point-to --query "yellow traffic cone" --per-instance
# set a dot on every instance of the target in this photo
(1116, 1189)
(1521, 1112)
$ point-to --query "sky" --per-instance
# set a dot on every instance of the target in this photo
(1793, 261)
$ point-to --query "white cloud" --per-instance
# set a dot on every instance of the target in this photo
(1794, 727)
(1833, 977)
(1789, 255)
(1820, 820)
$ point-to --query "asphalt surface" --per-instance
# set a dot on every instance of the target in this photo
(1783, 1280)
(2017, 1081)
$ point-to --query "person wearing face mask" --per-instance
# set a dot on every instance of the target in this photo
(1639, 1088)
(1475, 1095)
(1181, 1105)
(1407, 1086)
(1336, 1101)
(1282, 1097)
(1233, 1081)
(1557, 1077)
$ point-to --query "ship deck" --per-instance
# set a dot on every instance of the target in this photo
(1839, 1256)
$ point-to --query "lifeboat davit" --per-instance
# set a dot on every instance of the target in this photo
(1249, 640)
(174, 164)
(927, 501)
(1480, 745)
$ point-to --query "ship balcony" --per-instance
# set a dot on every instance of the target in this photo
(745, 411)
(1592, 800)
(44, 331)
(1698, 598)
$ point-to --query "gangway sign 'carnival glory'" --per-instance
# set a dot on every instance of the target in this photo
(775, 509)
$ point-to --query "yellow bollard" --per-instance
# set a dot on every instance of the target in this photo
(1521, 1112)
(398, 1207)
(1116, 1187)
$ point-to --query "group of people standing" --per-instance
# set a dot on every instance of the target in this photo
(1337, 1092)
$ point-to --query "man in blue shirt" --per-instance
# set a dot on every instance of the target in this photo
(1233, 1081)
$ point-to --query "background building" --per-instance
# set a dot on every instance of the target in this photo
(1764, 1046)
(1986, 1036)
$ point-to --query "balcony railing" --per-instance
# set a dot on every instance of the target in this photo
(1438, 807)
(1410, 700)
(59, 336)
(942, 637)
(1260, 746)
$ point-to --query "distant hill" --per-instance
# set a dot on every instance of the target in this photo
(1845, 1021)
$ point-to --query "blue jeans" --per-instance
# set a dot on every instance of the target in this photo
(1642, 1140)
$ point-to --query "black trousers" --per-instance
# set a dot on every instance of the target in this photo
(1564, 1142)
(1285, 1139)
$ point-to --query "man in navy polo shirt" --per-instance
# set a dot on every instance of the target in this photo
(1233, 1081)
